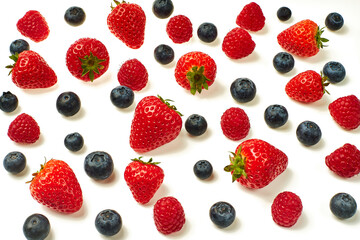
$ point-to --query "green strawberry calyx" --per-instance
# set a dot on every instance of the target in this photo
(91, 65)
(150, 162)
(237, 165)
(324, 82)
(320, 40)
(197, 79)
(172, 107)
(116, 3)
(37, 172)
(15, 58)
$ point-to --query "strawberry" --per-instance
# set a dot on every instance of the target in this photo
(256, 163)
(179, 29)
(307, 87)
(302, 39)
(87, 59)
(195, 71)
(133, 74)
(286, 209)
(238, 44)
(143, 179)
(235, 123)
(34, 26)
(31, 71)
(346, 112)
(57, 187)
(127, 22)
(24, 129)
(251, 17)
(155, 123)
(344, 161)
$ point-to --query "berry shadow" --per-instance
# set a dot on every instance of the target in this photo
(353, 221)
(79, 115)
(163, 191)
(176, 146)
(122, 234)
(104, 79)
(110, 181)
(252, 58)
(39, 91)
(182, 233)
(214, 91)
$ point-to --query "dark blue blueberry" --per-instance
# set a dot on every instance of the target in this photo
(8, 102)
(108, 222)
(343, 205)
(203, 169)
(196, 125)
(207, 32)
(334, 21)
(68, 104)
(222, 214)
(308, 133)
(284, 13)
(36, 227)
(14, 162)
(98, 165)
(74, 141)
(75, 16)
(122, 96)
(163, 8)
(276, 115)
(283, 62)
(18, 46)
(164, 54)
(243, 90)
(335, 71)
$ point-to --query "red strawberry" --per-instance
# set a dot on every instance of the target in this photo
(235, 123)
(346, 112)
(169, 215)
(34, 26)
(31, 71)
(251, 17)
(57, 187)
(24, 129)
(87, 59)
(344, 161)
(238, 44)
(155, 123)
(256, 163)
(127, 22)
(286, 209)
(133, 74)
(195, 71)
(179, 29)
(143, 179)
(306, 87)
(302, 39)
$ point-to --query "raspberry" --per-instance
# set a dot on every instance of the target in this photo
(133, 74)
(346, 112)
(235, 123)
(238, 44)
(286, 209)
(251, 17)
(24, 129)
(179, 29)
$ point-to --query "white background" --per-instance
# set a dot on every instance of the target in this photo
(106, 128)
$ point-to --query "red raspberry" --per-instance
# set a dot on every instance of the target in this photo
(238, 44)
(34, 26)
(286, 209)
(179, 29)
(346, 112)
(235, 123)
(133, 74)
(24, 129)
(344, 161)
(251, 17)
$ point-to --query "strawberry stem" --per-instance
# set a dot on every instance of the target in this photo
(91, 65)
(237, 165)
(166, 101)
(15, 58)
(150, 162)
(197, 79)
(319, 39)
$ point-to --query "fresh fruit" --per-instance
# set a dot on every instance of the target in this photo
(195, 71)
(207, 32)
(162, 8)
(344, 161)
(75, 16)
(18, 46)
(68, 104)
(203, 169)
(87, 59)
(343, 205)
(284, 13)
(196, 125)
(255, 163)
(308, 133)
(34, 26)
(243, 90)
(143, 179)
(14, 162)
(36, 227)
(155, 123)
(334, 71)
(286, 209)
(164, 54)
(127, 22)
(238, 44)
(276, 115)
(302, 39)
(99, 165)
(133, 74)
(235, 123)
(169, 215)
(24, 129)
(122, 96)
(222, 214)
(74, 141)
(108, 222)
(179, 29)
(56, 187)
(8, 102)
(334, 21)
(346, 112)
(251, 17)
(283, 62)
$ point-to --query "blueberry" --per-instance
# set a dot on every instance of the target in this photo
(283, 62)
(14, 162)
(308, 133)
(122, 96)
(74, 141)
(343, 205)
(75, 16)
(203, 169)
(334, 21)
(164, 54)
(18, 46)
(36, 227)
(284, 13)
(163, 8)
(196, 125)
(243, 90)
(207, 32)
(8, 102)
(276, 115)
(222, 214)
(335, 71)
(68, 104)
(98, 165)
(108, 222)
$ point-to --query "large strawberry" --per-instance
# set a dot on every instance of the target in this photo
(195, 71)
(256, 163)
(34, 26)
(127, 22)
(238, 44)
(155, 123)
(302, 39)
(57, 187)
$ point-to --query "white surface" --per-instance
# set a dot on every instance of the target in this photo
(107, 129)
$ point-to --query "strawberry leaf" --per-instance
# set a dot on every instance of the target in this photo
(197, 79)
(91, 64)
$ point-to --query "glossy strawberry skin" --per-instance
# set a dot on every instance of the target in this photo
(24, 129)
(235, 123)
(57, 187)
(251, 17)
(346, 112)
(133, 74)
(26, 24)
(286, 209)
(179, 29)
(238, 44)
